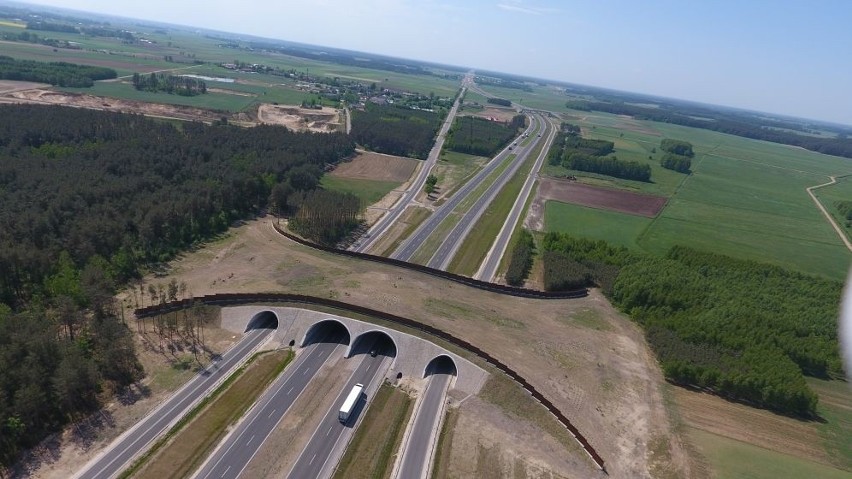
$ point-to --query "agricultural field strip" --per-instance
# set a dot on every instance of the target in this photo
(384, 223)
(412, 244)
(448, 249)
(825, 212)
(488, 267)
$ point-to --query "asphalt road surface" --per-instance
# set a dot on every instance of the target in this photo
(418, 451)
(488, 268)
(416, 240)
(389, 218)
(134, 442)
(232, 456)
(317, 455)
(453, 241)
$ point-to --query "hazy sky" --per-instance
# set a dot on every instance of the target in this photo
(776, 56)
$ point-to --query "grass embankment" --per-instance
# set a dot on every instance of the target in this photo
(436, 239)
(411, 218)
(189, 442)
(475, 246)
(370, 454)
(445, 445)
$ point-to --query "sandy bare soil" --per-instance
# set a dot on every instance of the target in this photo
(301, 119)
(377, 166)
(60, 455)
(596, 197)
(51, 97)
(493, 113)
(587, 358)
(8, 86)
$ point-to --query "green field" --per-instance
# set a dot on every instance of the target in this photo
(732, 459)
(829, 195)
(611, 226)
(835, 408)
(368, 191)
(745, 198)
(213, 101)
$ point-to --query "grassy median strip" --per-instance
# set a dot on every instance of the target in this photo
(371, 453)
(445, 445)
(188, 443)
(475, 246)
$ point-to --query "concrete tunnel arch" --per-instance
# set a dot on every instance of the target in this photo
(441, 363)
(363, 342)
(329, 329)
(263, 320)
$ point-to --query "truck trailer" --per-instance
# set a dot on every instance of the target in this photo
(350, 402)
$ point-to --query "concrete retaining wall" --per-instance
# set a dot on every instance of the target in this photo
(413, 354)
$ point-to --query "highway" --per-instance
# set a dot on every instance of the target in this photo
(322, 453)
(389, 218)
(137, 440)
(488, 268)
(410, 246)
(237, 450)
(417, 453)
(451, 244)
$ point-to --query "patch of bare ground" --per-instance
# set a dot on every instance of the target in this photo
(494, 113)
(8, 86)
(165, 370)
(611, 199)
(323, 120)
(750, 425)
(158, 110)
(603, 378)
(376, 166)
(282, 448)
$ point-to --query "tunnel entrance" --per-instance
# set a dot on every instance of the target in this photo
(373, 343)
(326, 331)
(442, 364)
(263, 320)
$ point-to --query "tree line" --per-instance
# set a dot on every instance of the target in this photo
(395, 130)
(89, 199)
(845, 210)
(55, 73)
(325, 217)
(572, 151)
(500, 101)
(520, 259)
(477, 136)
(678, 155)
(742, 329)
(171, 84)
(733, 124)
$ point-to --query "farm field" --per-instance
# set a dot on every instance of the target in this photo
(745, 198)
(601, 198)
(611, 226)
(368, 191)
(376, 166)
(829, 195)
(213, 100)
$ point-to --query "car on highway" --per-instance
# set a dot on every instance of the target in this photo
(373, 353)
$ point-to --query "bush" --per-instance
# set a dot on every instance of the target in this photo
(521, 259)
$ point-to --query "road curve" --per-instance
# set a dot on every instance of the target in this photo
(417, 452)
(445, 253)
(137, 440)
(488, 269)
(237, 450)
(389, 218)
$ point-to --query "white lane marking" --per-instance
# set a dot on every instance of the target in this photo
(226, 471)
(329, 431)
(290, 390)
(312, 459)
(250, 439)
(306, 371)
(270, 414)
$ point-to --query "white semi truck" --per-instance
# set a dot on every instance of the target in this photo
(350, 402)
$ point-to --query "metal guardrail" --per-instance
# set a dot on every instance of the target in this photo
(248, 298)
(475, 283)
